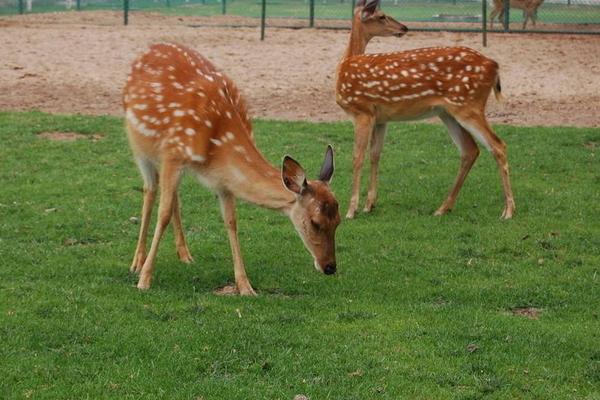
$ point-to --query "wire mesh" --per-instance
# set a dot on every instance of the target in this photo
(571, 16)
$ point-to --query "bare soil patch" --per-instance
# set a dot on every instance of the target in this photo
(528, 312)
(228, 290)
(77, 63)
(68, 136)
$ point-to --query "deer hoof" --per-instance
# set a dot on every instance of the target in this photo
(185, 256)
(441, 211)
(507, 213)
(246, 291)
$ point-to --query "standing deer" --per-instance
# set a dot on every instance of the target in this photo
(183, 114)
(453, 83)
(529, 8)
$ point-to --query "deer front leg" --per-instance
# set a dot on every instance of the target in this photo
(169, 180)
(363, 128)
(140, 250)
(150, 177)
(183, 251)
(376, 147)
(228, 210)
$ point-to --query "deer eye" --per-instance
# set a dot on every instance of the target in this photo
(381, 17)
(315, 225)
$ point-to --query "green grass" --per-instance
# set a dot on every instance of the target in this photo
(420, 308)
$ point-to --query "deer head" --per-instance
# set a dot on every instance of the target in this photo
(376, 23)
(315, 212)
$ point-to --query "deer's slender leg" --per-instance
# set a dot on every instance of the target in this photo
(170, 175)
(183, 251)
(227, 202)
(376, 147)
(493, 15)
(363, 128)
(478, 126)
(468, 154)
(150, 177)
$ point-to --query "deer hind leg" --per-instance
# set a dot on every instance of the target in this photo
(150, 177)
(170, 175)
(242, 283)
(478, 126)
(363, 129)
(526, 16)
(376, 146)
(468, 155)
(183, 251)
(493, 15)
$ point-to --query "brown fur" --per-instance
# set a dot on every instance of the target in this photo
(183, 113)
(453, 83)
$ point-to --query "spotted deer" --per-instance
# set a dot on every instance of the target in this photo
(529, 8)
(452, 83)
(182, 113)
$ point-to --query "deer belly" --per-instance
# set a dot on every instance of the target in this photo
(406, 112)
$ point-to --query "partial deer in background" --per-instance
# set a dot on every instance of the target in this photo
(183, 114)
(452, 83)
(529, 8)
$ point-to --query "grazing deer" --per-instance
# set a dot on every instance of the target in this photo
(183, 114)
(451, 82)
(529, 8)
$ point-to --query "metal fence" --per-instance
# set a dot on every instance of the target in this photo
(559, 16)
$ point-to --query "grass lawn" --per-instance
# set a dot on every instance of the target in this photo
(421, 308)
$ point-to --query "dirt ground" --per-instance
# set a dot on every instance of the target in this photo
(77, 63)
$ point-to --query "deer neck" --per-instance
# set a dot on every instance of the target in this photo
(358, 39)
(242, 170)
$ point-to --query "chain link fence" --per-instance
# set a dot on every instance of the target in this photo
(557, 16)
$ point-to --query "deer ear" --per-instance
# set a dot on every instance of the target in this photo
(328, 166)
(369, 8)
(293, 176)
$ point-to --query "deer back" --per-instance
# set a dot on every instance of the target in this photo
(411, 82)
(177, 104)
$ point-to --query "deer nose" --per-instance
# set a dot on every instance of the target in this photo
(329, 269)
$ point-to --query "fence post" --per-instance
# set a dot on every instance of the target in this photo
(352, 11)
(168, 3)
(21, 10)
(78, 5)
(224, 7)
(484, 22)
(506, 16)
(311, 13)
(263, 11)
(125, 12)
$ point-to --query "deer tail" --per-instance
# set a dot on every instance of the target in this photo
(498, 90)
